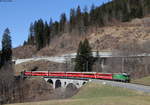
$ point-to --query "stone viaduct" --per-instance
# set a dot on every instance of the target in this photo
(64, 82)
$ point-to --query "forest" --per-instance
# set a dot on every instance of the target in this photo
(81, 20)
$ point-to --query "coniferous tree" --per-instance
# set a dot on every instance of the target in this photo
(6, 70)
(92, 15)
(78, 60)
(87, 56)
(25, 43)
(55, 29)
(126, 11)
(50, 29)
(39, 37)
(31, 35)
(80, 22)
(51, 22)
(146, 5)
(78, 14)
(46, 40)
(84, 59)
(72, 21)
(85, 18)
(6, 47)
(63, 21)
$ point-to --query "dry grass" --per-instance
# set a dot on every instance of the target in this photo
(96, 94)
(24, 51)
(60, 45)
(143, 81)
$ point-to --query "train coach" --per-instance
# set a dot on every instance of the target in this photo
(123, 77)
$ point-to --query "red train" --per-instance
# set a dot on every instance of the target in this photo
(80, 75)
(83, 75)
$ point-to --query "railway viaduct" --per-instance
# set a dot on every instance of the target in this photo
(65, 82)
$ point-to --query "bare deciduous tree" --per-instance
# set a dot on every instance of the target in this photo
(6, 83)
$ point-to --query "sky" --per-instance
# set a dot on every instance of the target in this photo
(18, 14)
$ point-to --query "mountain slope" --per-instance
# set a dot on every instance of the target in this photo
(105, 38)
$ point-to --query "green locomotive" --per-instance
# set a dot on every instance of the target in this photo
(121, 77)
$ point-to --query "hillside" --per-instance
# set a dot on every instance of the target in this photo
(106, 38)
(107, 26)
(98, 94)
(112, 36)
(24, 51)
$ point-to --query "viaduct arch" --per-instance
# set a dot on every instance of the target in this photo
(65, 83)
(57, 84)
(50, 81)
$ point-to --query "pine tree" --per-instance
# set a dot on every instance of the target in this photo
(6, 47)
(31, 35)
(78, 60)
(87, 56)
(80, 22)
(55, 29)
(126, 11)
(72, 21)
(50, 29)
(50, 22)
(92, 15)
(46, 34)
(39, 37)
(24, 43)
(63, 21)
(85, 18)
(84, 59)
(78, 13)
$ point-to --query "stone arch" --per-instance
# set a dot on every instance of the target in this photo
(57, 84)
(65, 83)
(83, 83)
(50, 81)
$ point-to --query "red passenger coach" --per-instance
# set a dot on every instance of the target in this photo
(77, 75)
(104, 76)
